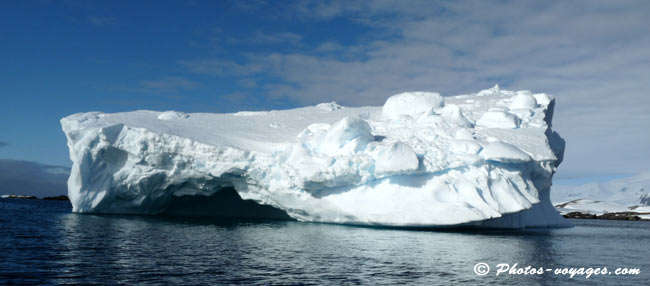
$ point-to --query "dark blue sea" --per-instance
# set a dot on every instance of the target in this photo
(42, 242)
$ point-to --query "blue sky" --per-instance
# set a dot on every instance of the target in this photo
(63, 57)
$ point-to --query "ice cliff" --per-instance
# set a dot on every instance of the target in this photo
(484, 159)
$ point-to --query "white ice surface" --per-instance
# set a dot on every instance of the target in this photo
(420, 160)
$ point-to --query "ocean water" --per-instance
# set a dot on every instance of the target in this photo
(42, 242)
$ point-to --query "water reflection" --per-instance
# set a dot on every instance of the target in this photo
(85, 249)
(181, 250)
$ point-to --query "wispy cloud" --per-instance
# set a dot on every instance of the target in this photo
(102, 21)
(166, 84)
(329, 46)
(285, 38)
(221, 67)
(252, 5)
(248, 82)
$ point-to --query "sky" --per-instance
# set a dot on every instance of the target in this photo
(63, 57)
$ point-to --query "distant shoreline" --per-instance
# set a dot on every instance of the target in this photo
(28, 197)
(630, 216)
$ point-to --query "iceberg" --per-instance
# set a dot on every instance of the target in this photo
(420, 160)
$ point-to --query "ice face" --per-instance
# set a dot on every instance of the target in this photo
(483, 159)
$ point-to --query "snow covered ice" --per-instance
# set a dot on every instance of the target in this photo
(628, 194)
(421, 160)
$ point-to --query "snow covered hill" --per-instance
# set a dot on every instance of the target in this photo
(484, 159)
(619, 195)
